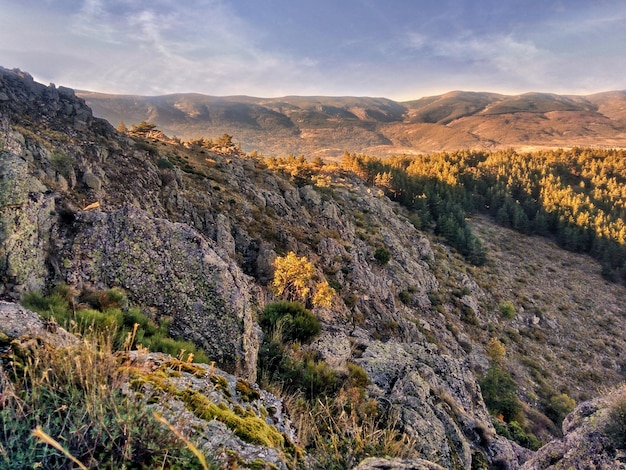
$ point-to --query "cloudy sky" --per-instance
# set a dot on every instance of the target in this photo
(400, 49)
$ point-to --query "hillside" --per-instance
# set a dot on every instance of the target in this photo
(328, 126)
(414, 349)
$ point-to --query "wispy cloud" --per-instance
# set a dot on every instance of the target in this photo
(280, 47)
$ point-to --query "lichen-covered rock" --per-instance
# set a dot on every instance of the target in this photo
(438, 402)
(25, 220)
(17, 322)
(227, 417)
(594, 437)
(396, 464)
(173, 270)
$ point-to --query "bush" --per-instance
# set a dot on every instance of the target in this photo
(53, 305)
(294, 321)
(517, 433)
(559, 407)
(106, 316)
(507, 309)
(382, 255)
(405, 297)
(500, 395)
(164, 164)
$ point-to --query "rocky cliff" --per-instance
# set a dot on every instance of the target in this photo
(191, 235)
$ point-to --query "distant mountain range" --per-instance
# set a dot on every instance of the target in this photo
(327, 126)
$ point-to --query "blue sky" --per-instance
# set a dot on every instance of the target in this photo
(399, 49)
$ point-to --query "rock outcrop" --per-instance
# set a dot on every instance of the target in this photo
(594, 436)
(174, 270)
(436, 400)
(227, 417)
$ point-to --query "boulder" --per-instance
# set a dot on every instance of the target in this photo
(174, 271)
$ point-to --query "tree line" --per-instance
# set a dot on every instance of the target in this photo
(577, 196)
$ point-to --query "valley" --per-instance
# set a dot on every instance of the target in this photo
(418, 310)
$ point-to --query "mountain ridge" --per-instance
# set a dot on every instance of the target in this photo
(328, 126)
(191, 234)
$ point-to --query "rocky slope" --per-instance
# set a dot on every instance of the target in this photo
(327, 126)
(165, 383)
(191, 236)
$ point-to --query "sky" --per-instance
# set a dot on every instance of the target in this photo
(398, 49)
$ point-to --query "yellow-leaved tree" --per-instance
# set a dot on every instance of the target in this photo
(496, 350)
(294, 281)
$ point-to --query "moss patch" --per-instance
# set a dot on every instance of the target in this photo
(250, 428)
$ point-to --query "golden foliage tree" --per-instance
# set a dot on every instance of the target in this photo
(496, 350)
(293, 280)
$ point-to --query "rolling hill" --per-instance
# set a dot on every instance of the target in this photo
(327, 126)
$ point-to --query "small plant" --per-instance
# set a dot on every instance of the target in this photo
(382, 255)
(405, 297)
(62, 163)
(507, 309)
(496, 351)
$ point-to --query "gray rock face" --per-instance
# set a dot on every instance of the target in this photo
(594, 437)
(25, 221)
(29, 98)
(396, 464)
(437, 401)
(173, 270)
(18, 322)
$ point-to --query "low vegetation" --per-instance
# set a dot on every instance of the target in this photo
(108, 312)
(337, 424)
(73, 397)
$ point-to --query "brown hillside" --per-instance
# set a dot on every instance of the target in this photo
(327, 126)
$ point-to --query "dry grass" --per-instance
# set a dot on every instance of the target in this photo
(567, 316)
(66, 407)
(338, 432)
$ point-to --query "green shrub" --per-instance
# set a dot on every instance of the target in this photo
(315, 378)
(295, 322)
(357, 377)
(500, 395)
(507, 309)
(102, 321)
(405, 297)
(53, 305)
(559, 407)
(164, 164)
(62, 163)
(517, 433)
(382, 255)
(296, 370)
(174, 347)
